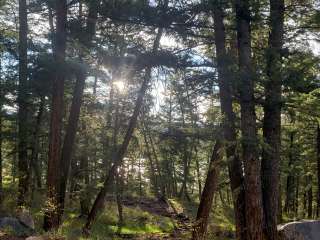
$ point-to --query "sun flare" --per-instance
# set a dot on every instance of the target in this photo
(120, 85)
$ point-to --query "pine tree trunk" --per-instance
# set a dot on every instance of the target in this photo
(69, 139)
(207, 196)
(304, 202)
(252, 164)
(198, 176)
(224, 66)
(158, 167)
(1, 181)
(75, 110)
(23, 105)
(296, 198)
(1, 140)
(118, 159)
(280, 204)
(74, 178)
(318, 169)
(310, 197)
(51, 216)
(84, 179)
(35, 145)
(289, 203)
(153, 177)
(107, 151)
(184, 189)
(99, 201)
(119, 193)
(272, 121)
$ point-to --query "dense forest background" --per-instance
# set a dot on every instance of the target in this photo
(114, 111)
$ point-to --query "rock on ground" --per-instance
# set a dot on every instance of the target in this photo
(15, 227)
(302, 230)
(25, 217)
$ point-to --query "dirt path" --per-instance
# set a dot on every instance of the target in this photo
(163, 208)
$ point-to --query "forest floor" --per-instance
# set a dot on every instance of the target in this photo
(170, 209)
(144, 218)
(173, 222)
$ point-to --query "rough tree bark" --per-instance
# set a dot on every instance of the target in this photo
(23, 105)
(207, 195)
(252, 164)
(224, 66)
(118, 158)
(272, 121)
(51, 217)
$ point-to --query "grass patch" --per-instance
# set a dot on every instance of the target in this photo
(136, 222)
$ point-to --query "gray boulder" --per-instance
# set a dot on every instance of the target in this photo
(25, 217)
(302, 230)
(15, 227)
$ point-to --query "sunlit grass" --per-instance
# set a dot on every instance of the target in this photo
(223, 217)
(136, 222)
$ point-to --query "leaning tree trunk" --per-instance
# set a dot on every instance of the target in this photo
(70, 138)
(252, 164)
(75, 111)
(207, 195)
(23, 105)
(51, 217)
(224, 66)
(118, 158)
(272, 121)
